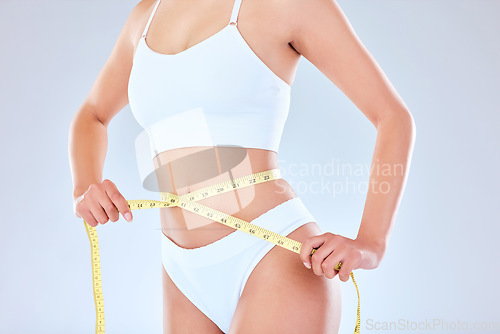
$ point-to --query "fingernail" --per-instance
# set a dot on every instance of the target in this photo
(307, 265)
(128, 216)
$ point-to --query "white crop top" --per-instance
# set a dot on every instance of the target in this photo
(218, 92)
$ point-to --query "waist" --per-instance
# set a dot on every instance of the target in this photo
(183, 170)
(216, 165)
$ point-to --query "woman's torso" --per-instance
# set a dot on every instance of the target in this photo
(245, 106)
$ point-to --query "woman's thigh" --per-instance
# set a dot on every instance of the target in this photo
(180, 316)
(282, 295)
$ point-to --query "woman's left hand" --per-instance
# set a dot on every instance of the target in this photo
(333, 248)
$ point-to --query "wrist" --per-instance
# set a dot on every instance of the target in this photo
(374, 243)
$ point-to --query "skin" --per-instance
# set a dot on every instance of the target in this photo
(279, 33)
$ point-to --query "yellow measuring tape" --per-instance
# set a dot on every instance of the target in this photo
(188, 202)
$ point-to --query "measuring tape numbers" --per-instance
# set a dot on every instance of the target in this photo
(188, 202)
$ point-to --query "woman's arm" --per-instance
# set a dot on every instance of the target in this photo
(324, 36)
(88, 130)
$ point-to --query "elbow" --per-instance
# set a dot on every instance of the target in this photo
(89, 115)
(413, 126)
(400, 118)
(408, 122)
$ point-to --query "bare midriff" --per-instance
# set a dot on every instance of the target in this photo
(183, 170)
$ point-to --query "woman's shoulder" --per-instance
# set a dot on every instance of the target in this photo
(140, 13)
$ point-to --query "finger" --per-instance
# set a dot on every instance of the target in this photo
(89, 218)
(348, 265)
(345, 271)
(118, 200)
(75, 211)
(319, 256)
(83, 211)
(98, 212)
(109, 208)
(106, 203)
(101, 198)
(307, 247)
(331, 262)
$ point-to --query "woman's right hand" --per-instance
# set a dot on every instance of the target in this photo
(100, 203)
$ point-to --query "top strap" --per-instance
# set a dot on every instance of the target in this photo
(234, 13)
(150, 19)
